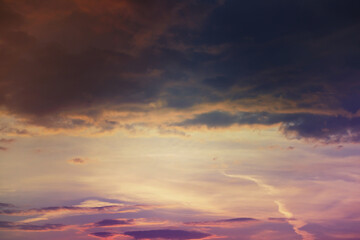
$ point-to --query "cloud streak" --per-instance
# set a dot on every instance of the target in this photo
(87, 207)
(297, 224)
(231, 222)
(31, 227)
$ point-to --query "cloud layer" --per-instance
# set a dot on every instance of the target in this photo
(330, 129)
(81, 64)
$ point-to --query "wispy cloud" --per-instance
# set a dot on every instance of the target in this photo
(272, 191)
(231, 222)
(15, 226)
(87, 207)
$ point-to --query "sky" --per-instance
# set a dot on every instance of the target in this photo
(169, 119)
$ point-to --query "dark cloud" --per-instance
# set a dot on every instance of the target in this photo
(6, 205)
(68, 62)
(303, 56)
(238, 220)
(88, 56)
(330, 129)
(45, 227)
(102, 234)
(5, 224)
(67, 209)
(9, 18)
(167, 234)
(30, 227)
(211, 119)
(108, 125)
(220, 82)
(114, 222)
(182, 97)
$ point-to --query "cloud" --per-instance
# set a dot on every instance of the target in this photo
(103, 234)
(280, 219)
(109, 61)
(55, 210)
(77, 160)
(211, 119)
(238, 220)
(334, 229)
(6, 205)
(327, 128)
(113, 222)
(224, 222)
(87, 207)
(30, 227)
(282, 209)
(13, 131)
(220, 82)
(70, 65)
(167, 234)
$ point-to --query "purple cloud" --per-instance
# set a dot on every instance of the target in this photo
(238, 220)
(113, 222)
(102, 234)
(30, 227)
(223, 221)
(334, 230)
(167, 234)
(67, 209)
(6, 205)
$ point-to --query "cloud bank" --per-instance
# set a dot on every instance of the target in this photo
(82, 64)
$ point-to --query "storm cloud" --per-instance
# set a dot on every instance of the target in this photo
(99, 55)
(84, 59)
(329, 129)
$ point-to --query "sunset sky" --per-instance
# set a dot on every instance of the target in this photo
(169, 119)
